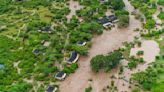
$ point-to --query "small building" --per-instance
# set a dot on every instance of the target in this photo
(112, 18)
(73, 58)
(104, 21)
(108, 20)
(36, 51)
(45, 30)
(81, 43)
(109, 24)
(60, 75)
(51, 89)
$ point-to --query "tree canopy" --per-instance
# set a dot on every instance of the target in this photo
(107, 62)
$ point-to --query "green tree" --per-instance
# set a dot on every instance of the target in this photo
(123, 21)
(150, 24)
(106, 62)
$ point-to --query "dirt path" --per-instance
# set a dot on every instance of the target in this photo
(107, 42)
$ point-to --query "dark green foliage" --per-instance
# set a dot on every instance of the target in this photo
(152, 78)
(89, 89)
(92, 27)
(147, 7)
(7, 58)
(161, 2)
(5, 6)
(71, 68)
(161, 15)
(106, 62)
(153, 33)
(19, 87)
(123, 21)
(117, 4)
(140, 53)
(82, 50)
(150, 24)
(121, 12)
(34, 3)
(133, 62)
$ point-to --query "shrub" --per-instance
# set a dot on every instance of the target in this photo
(89, 89)
(70, 69)
(140, 53)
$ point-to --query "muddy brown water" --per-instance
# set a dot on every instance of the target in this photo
(103, 44)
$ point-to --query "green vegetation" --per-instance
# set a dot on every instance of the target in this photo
(150, 24)
(161, 15)
(152, 78)
(26, 24)
(153, 33)
(106, 62)
(147, 8)
(161, 2)
(70, 69)
(89, 89)
(139, 53)
(123, 21)
(122, 14)
(117, 4)
(133, 62)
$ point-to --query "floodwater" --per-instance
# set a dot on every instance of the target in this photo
(103, 44)
(150, 48)
(73, 6)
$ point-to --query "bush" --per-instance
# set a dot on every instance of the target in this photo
(89, 89)
(70, 69)
(150, 23)
(140, 53)
(161, 15)
(123, 21)
(161, 2)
